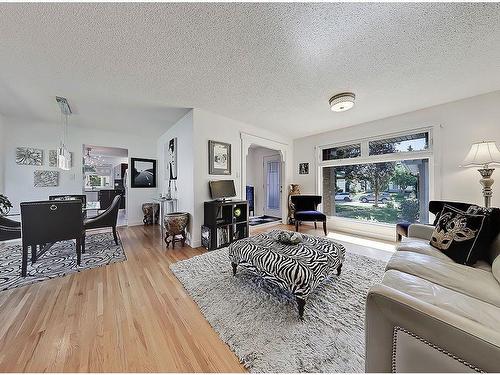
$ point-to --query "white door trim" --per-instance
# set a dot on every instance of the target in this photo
(249, 139)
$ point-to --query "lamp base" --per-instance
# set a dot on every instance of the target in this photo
(487, 182)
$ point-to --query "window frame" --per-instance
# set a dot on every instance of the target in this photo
(339, 146)
(365, 158)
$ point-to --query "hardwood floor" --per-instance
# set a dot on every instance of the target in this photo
(132, 316)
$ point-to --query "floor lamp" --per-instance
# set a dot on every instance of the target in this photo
(483, 154)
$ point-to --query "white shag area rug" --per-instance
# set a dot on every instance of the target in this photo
(260, 322)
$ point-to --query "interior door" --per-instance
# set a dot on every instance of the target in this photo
(272, 185)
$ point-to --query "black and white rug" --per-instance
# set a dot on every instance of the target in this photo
(260, 323)
(60, 260)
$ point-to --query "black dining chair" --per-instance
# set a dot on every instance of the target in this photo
(47, 222)
(9, 229)
(65, 197)
(306, 209)
(107, 219)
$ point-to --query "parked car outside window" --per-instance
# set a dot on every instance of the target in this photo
(383, 197)
(343, 197)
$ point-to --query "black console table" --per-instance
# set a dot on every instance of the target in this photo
(224, 223)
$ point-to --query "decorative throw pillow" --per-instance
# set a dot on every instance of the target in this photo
(491, 227)
(459, 235)
(290, 238)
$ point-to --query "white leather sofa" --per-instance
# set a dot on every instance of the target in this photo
(430, 314)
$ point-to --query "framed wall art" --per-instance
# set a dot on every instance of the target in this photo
(219, 158)
(171, 158)
(45, 178)
(143, 173)
(303, 168)
(29, 156)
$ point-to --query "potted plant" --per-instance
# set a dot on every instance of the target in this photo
(5, 205)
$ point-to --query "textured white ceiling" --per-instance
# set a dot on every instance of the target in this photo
(271, 65)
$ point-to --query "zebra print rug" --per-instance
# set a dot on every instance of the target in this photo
(60, 260)
(259, 322)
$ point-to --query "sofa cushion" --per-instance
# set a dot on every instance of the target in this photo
(461, 236)
(421, 246)
(495, 269)
(447, 299)
(482, 265)
(471, 281)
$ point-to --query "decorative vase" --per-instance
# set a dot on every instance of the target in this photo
(175, 225)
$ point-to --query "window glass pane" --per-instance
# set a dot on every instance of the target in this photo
(387, 192)
(404, 143)
(342, 152)
(273, 185)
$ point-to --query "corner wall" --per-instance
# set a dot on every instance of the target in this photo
(183, 130)
(456, 125)
(18, 181)
(210, 126)
(2, 155)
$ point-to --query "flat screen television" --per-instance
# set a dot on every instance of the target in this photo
(222, 189)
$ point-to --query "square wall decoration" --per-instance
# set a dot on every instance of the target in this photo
(143, 173)
(29, 156)
(45, 178)
(303, 168)
(219, 158)
(53, 158)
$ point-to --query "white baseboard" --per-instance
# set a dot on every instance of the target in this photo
(134, 224)
(195, 243)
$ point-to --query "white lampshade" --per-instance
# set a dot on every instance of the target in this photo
(482, 154)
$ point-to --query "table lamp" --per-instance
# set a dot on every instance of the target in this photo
(483, 154)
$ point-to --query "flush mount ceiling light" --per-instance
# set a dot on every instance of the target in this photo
(342, 102)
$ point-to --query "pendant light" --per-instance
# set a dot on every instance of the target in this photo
(63, 154)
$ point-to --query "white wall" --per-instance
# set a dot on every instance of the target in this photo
(2, 156)
(456, 125)
(19, 178)
(210, 126)
(183, 130)
(255, 175)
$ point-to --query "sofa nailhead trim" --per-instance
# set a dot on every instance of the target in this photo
(453, 356)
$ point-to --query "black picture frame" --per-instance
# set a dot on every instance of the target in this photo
(143, 173)
(303, 168)
(219, 154)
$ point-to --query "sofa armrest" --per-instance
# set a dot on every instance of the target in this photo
(431, 339)
(423, 231)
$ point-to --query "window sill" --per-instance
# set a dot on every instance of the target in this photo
(357, 221)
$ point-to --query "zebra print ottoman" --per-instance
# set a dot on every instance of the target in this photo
(298, 269)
